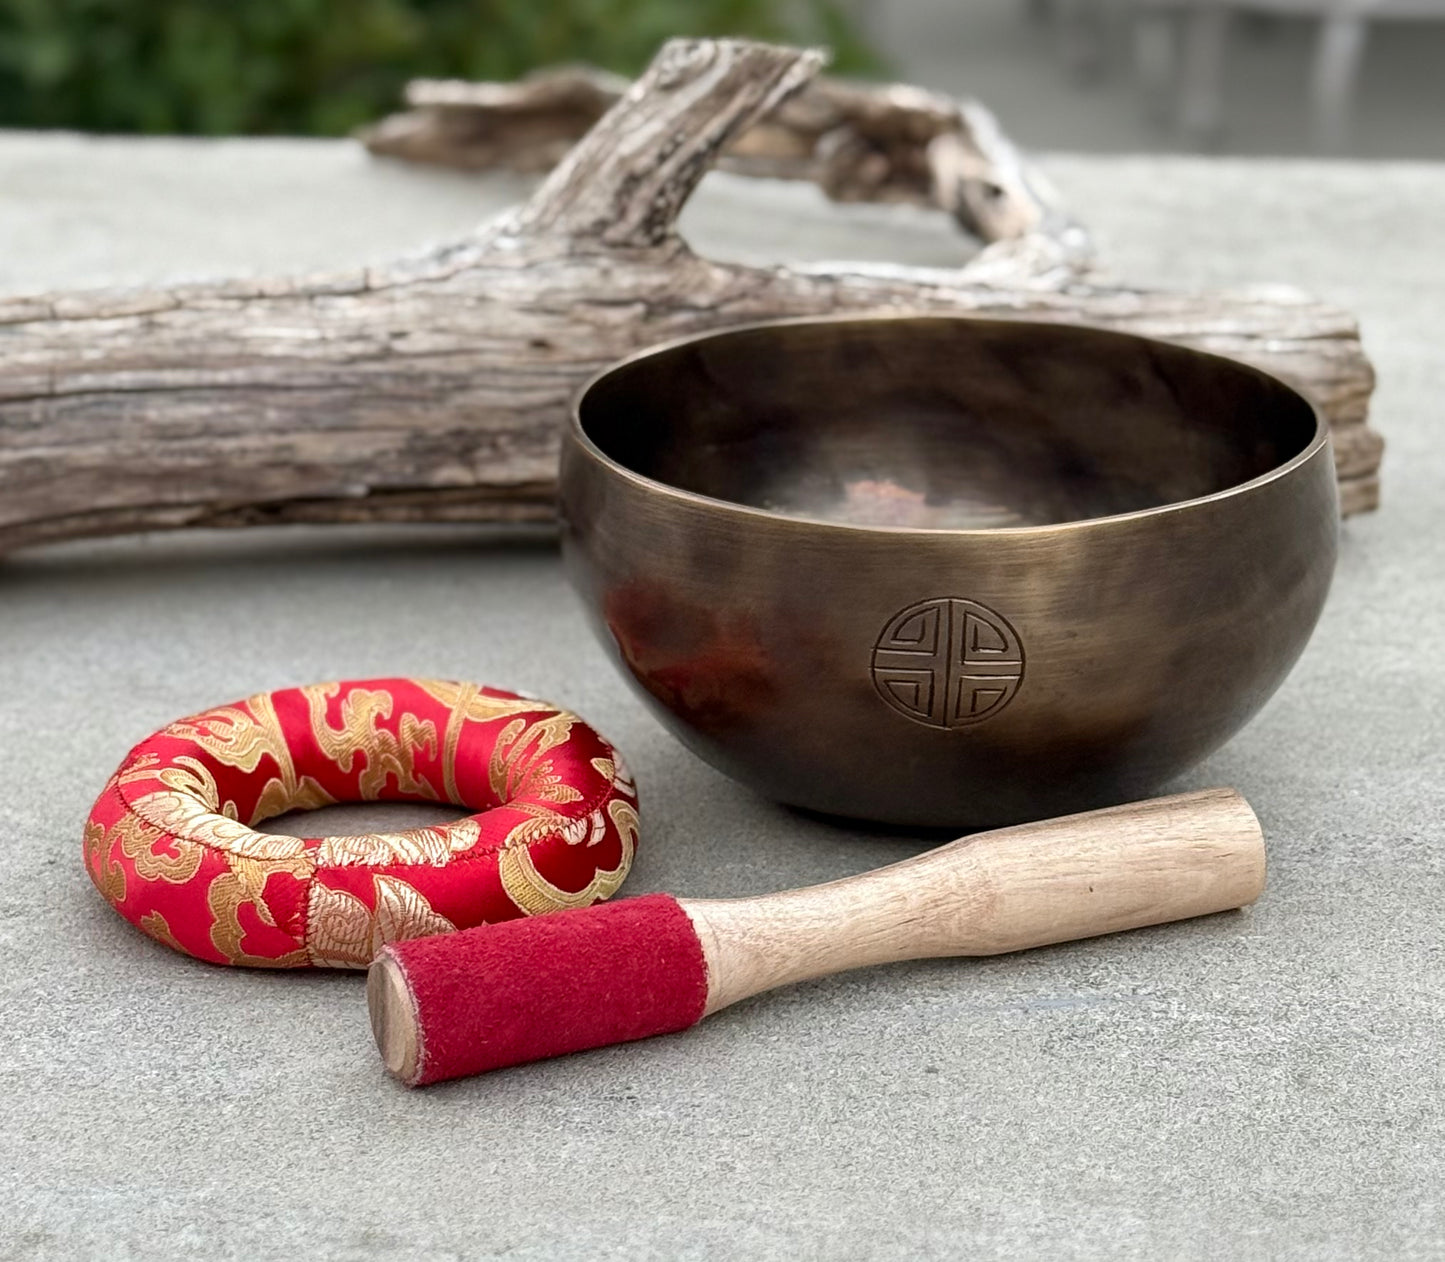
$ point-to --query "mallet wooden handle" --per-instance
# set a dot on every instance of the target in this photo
(1007, 890)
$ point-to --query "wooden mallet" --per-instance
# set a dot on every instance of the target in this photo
(463, 1003)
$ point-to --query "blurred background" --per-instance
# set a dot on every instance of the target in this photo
(1363, 78)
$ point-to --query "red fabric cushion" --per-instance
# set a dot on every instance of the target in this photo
(169, 844)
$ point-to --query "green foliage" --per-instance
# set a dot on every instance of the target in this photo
(323, 66)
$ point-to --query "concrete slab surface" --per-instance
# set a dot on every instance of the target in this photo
(1258, 1085)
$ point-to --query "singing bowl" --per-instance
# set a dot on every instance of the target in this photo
(943, 570)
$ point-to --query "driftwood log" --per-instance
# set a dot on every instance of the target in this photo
(432, 389)
(858, 143)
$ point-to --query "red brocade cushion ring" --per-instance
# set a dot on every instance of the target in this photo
(169, 842)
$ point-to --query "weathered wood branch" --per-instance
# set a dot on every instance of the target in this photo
(433, 388)
(857, 142)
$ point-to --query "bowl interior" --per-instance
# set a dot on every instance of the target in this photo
(943, 422)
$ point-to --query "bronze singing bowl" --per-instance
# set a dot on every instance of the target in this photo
(948, 571)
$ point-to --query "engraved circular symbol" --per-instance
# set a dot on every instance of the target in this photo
(948, 662)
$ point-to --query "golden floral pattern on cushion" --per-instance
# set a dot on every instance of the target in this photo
(618, 772)
(169, 842)
(190, 806)
(346, 933)
(153, 925)
(242, 736)
(154, 854)
(434, 845)
(471, 703)
(519, 766)
(386, 755)
(242, 889)
(535, 894)
(468, 703)
(106, 872)
(341, 928)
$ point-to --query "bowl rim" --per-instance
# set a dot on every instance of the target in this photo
(1319, 441)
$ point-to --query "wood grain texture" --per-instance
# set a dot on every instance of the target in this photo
(1007, 890)
(394, 1023)
(858, 142)
(433, 388)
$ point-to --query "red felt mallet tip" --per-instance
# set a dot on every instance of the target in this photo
(498, 995)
